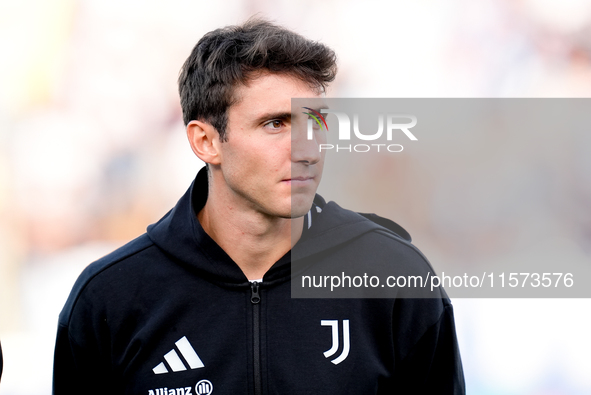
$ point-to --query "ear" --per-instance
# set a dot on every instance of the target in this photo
(205, 141)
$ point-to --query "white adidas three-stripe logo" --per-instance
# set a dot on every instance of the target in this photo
(174, 361)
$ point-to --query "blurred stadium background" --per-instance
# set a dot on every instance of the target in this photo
(92, 150)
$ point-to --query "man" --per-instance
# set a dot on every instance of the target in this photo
(201, 304)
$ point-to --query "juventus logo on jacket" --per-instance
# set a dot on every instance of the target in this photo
(335, 340)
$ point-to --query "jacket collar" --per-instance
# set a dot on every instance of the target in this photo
(180, 235)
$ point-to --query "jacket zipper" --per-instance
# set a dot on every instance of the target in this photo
(255, 299)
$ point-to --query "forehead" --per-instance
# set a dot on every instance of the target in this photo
(271, 91)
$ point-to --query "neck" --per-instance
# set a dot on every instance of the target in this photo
(253, 240)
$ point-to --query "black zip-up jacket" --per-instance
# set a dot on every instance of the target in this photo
(170, 313)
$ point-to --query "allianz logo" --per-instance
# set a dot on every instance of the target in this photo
(203, 387)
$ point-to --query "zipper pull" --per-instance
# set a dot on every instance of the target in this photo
(255, 298)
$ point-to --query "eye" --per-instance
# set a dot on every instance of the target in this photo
(274, 124)
(316, 125)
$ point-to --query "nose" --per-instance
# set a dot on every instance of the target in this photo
(305, 143)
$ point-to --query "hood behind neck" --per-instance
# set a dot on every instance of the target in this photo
(335, 226)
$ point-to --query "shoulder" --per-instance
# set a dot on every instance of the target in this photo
(353, 245)
(372, 234)
(102, 271)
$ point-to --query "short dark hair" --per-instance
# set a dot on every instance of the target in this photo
(232, 55)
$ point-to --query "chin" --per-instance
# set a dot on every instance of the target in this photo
(300, 206)
(298, 214)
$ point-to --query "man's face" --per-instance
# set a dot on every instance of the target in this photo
(268, 167)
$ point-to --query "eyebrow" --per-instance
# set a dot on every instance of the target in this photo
(320, 108)
(273, 115)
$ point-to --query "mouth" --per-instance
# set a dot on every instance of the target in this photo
(299, 181)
